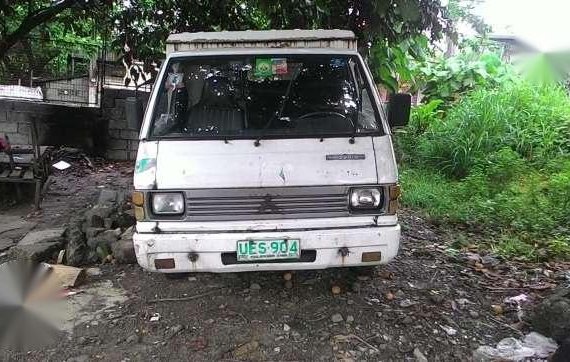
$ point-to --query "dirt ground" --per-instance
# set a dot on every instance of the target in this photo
(429, 302)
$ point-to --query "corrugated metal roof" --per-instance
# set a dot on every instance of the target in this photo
(259, 36)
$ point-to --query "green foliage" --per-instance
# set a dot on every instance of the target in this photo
(43, 51)
(532, 120)
(450, 78)
(393, 28)
(498, 159)
(391, 63)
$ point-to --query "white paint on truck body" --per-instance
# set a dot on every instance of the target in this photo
(275, 163)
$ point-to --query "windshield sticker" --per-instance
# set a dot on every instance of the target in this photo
(263, 67)
(279, 66)
(346, 157)
(338, 62)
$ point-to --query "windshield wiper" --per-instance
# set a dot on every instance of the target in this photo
(279, 114)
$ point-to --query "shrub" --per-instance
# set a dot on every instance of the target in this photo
(531, 120)
(450, 78)
(499, 159)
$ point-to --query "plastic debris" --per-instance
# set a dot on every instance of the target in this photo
(61, 165)
(449, 330)
(519, 299)
(155, 317)
(533, 345)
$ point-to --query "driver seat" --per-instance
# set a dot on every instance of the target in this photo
(216, 112)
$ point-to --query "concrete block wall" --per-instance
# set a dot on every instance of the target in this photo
(100, 131)
(15, 120)
(122, 138)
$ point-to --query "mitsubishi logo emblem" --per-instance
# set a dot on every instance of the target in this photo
(268, 206)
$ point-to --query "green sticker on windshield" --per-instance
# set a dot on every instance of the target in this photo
(263, 67)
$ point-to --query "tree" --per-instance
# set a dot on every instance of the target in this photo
(18, 19)
(37, 37)
(393, 29)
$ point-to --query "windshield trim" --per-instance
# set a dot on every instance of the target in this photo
(379, 111)
(371, 133)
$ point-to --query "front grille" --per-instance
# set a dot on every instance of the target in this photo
(266, 203)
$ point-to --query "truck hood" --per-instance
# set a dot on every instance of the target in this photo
(182, 164)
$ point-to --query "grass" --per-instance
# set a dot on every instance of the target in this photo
(497, 161)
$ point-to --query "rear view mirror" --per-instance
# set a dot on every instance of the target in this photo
(399, 109)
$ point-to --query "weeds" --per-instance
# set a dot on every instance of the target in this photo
(499, 159)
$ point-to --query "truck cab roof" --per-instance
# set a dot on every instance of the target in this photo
(338, 39)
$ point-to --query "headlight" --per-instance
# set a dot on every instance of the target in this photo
(365, 198)
(168, 204)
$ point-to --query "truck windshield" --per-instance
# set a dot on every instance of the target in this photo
(249, 96)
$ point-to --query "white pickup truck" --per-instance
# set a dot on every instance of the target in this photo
(266, 150)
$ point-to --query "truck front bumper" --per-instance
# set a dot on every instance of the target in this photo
(216, 252)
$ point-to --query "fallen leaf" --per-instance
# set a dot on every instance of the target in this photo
(497, 309)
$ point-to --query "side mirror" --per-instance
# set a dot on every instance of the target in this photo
(134, 112)
(399, 108)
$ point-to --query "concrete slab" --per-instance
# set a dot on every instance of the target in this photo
(12, 229)
(41, 236)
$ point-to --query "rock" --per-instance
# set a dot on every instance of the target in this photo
(76, 250)
(436, 298)
(124, 220)
(406, 303)
(134, 338)
(408, 320)
(176, 329)
(96, 216)
(108, 197)
(473, 314)
(42, 236)
(106, 238)
(286, 327)
(108, 223)
(356, 287)
(39, 245)
(93, 272)
(419, 356)
(490, 261)
(552, 316)
(124, 251)
(562, 353)
(37, 252)
(337, 318)
(379, 314)
(91, 232)
(349, 319)
(254, 286)
(247, 350)
(80, 358)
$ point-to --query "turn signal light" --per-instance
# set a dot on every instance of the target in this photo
(394, 193)
(137, 198)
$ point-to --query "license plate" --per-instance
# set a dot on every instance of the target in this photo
(250, 250)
